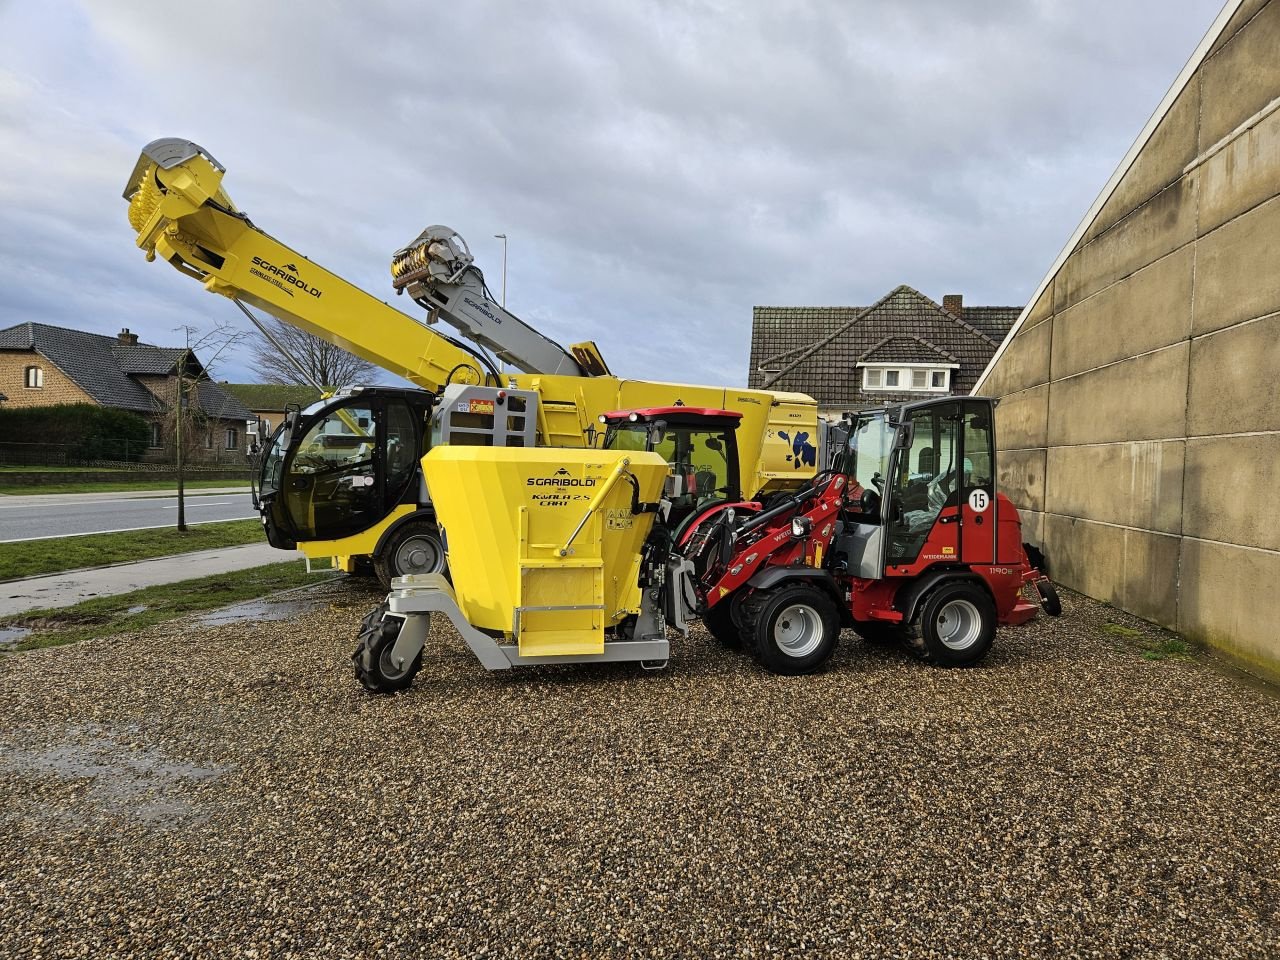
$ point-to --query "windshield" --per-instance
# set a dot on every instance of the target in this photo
(869, 449)
(698, 456)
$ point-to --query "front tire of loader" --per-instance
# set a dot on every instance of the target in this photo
(794, 628)
(372, 657)
(414, 548)
(957, 625)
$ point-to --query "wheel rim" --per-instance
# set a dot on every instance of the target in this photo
(419, 555)
(387, 667)
(959, 625)
(798, 630)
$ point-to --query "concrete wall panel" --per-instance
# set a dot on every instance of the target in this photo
(1172, 146)
(1240, 176)
(1241, 78)
(1228, 599)
(1021, 419)
(1248, 9)
(1231, 490)
(1025, 362)
(1042, 310)
(1132, 484)
(1150, 578)
(1235, 380)
(1236, 275)
(1085, 556)
(1021, 477)
(1139, 399)
(1150, 310)
(1160, 226)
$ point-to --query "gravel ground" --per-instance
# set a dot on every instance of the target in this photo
(230, 791)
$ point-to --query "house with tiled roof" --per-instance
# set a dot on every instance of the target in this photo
(903, 347)
(268, 403)
(43, 365)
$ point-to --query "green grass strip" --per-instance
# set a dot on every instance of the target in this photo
(107, 616)
(32, 558)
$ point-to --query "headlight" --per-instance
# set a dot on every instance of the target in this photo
(800, 527)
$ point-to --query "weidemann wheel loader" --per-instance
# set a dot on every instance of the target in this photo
(341, 478)
(591, 555)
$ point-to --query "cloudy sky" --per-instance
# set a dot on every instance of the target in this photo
(659, 167)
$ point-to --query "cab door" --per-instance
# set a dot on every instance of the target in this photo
(977, 499)
(924, 489)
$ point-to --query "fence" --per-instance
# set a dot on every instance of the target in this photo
(115, 453)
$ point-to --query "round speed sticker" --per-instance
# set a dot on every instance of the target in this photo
(979, 500)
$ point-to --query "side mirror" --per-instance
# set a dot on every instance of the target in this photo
(906, 434)
(714, 444)
(657, 431)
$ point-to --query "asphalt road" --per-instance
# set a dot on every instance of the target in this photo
(65, 515)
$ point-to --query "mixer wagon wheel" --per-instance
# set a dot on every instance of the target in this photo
(374, 667)
(414, 548)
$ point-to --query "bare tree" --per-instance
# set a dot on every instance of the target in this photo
(188, 420)
(310, 361)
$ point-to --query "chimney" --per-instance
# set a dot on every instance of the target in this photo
(127, 338)
(953, 303)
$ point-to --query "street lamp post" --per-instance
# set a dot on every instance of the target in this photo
(503, 238)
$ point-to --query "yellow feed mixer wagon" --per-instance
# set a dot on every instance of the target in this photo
(547, 563)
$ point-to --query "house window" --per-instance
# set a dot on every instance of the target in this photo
(35, 378)
(155, 435)
(914, 378)
(208, 439)
(233, 438)
(266, 426)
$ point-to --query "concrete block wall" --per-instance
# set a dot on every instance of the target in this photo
(1140, 413)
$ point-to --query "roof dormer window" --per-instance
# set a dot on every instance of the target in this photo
(907, 377)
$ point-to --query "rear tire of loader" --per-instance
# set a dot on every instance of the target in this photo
(794, 628)
(372, 655)
(414, 548)
(957, 625)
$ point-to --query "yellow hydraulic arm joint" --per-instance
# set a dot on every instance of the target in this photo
(182, 215)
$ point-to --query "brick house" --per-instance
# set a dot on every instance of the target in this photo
(904, 347)
(266, 403)
(43, 365)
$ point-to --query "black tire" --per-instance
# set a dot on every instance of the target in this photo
(880, 633)
(372, 655)
(719, 623)
(793, 628)
(414, 548)
(957, 624)
(1050, 602)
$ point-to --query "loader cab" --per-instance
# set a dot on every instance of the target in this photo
(700, 445)
(922, 487)
(338, 466)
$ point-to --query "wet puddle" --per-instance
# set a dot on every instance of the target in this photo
(122, 778)
(256, 611)
(141, 608)
(11, 636)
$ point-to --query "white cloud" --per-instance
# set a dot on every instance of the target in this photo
(659, 168)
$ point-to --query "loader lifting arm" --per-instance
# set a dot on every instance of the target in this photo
(182, 214)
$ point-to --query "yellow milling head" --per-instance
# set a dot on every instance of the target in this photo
(144, 202)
